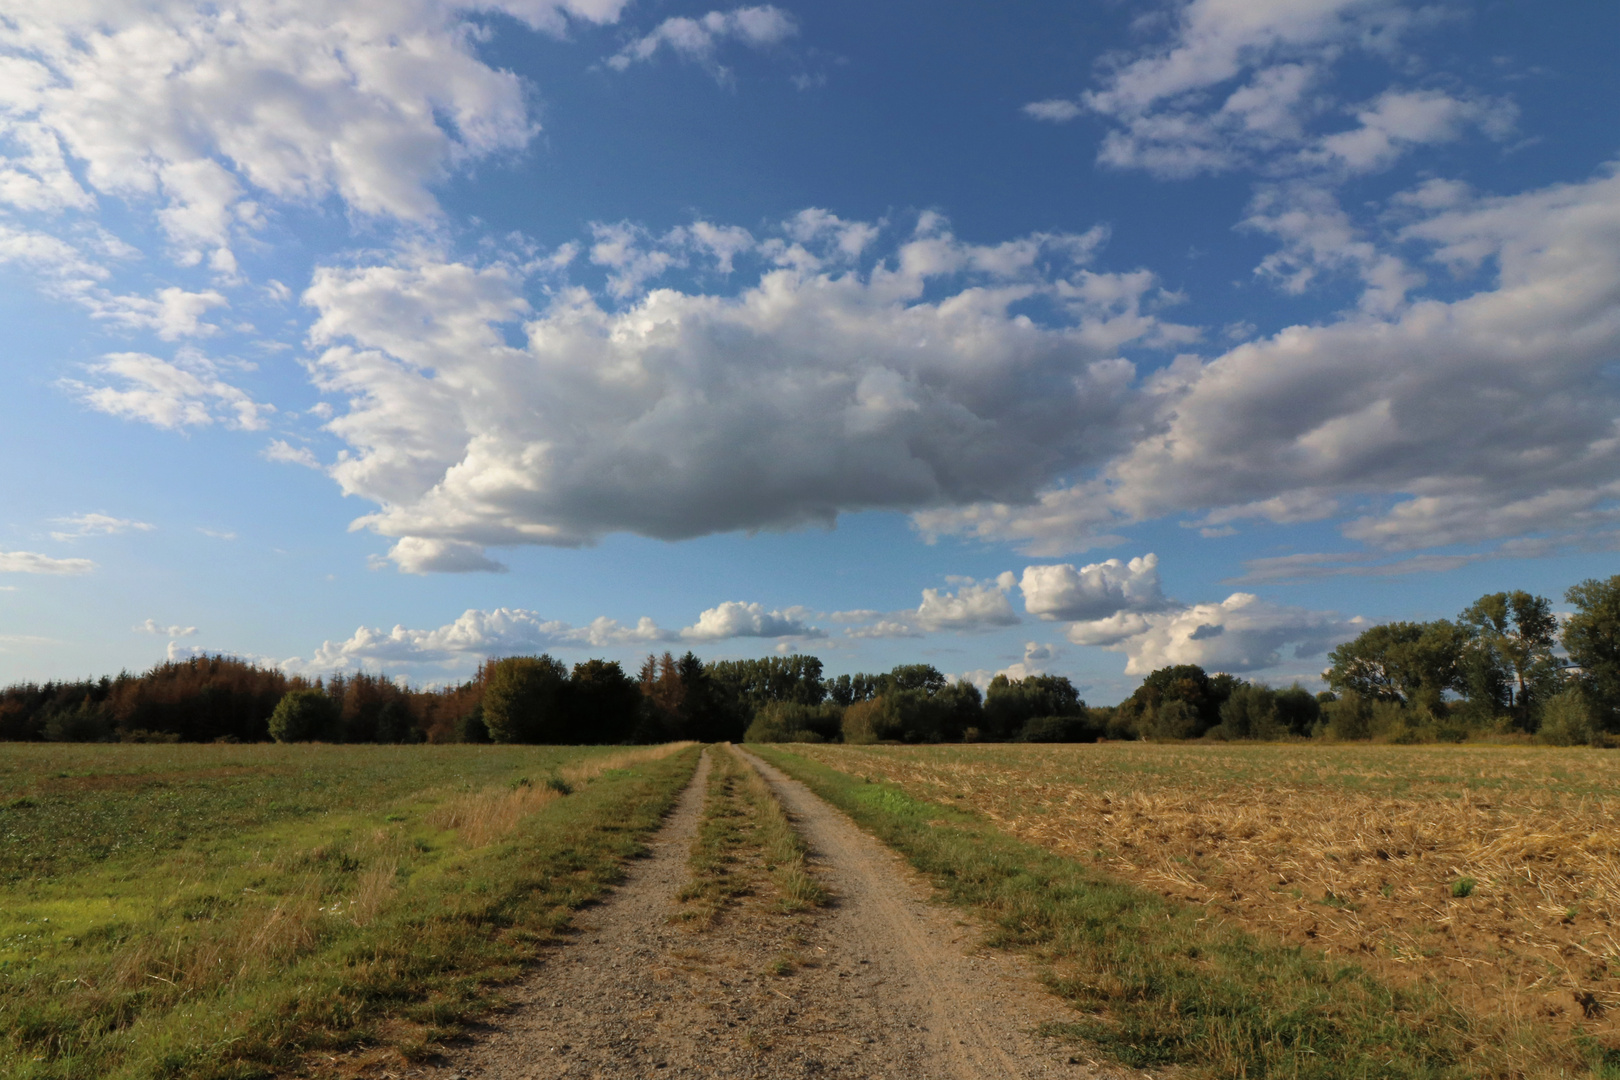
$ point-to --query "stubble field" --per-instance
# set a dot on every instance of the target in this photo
(1490, 874)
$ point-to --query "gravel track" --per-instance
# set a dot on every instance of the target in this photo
(882, 983)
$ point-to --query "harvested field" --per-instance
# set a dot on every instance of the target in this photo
(1492, 873)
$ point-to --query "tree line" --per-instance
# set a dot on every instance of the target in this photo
(1507, 665)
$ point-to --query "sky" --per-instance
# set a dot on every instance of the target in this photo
(1077, 338)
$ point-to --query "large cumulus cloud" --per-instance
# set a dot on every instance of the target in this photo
(826, 385)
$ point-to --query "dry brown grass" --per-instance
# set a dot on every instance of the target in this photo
(1353, 850)
(485, 816)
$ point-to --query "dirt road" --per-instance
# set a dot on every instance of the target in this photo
(882, 983)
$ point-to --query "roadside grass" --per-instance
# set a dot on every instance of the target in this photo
(719, 862)
(744, 838)
(1158, 983)
(1489, 873)
(233, 911)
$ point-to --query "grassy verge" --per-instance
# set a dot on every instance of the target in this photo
(1157, 984)
(251, 909)
(745, 836)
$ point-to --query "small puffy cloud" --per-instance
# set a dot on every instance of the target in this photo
(1056, 110)
(1094, 591)
(152, 626)
(283, 451)
(187, 392)
(734, 619)
(1398, 119)
(1036, 653)
(1242, 633)
(29, 562)
(83, 525)
(173, 313)
(698, 39)
(419, 555)
(973, 606)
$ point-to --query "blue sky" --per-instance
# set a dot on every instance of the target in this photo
(1076, 338)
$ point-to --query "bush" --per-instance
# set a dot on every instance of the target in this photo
(303, 715)
(789, 721)
(871, 721)
(85, 723)
(1061, 729)
(1566, 720)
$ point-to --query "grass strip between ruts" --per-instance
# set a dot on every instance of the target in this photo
(1156, 984)
(428, 963)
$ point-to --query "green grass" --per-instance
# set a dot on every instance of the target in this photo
(720, 851)
(224, 911)
(1153, 983)
(744, 836)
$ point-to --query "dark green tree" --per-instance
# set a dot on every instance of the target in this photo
(1592, 639)
(602, 703)
(304, 715)
(1010, 704)
(524, 700)
(1412, 663)
(1510, 657)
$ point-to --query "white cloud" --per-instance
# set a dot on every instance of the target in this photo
(1484, 418)
(698, 39)
(217, 534)
(1094, 591)
(734, 619)
(424, 555)
(187, 392)
(1235, 83)
(1397, 119)
(201, 111)
(82, 525)
(172, 313)
(283, 451)
(813, 392)
(29, 562)
(1242, 633)
(973, 606)
(1056, 110)
(152, 626)
(472, 638)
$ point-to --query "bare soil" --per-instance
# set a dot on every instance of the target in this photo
(881, 983)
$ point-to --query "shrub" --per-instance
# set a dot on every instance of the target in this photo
(1060, 729)
(789, 721)
(1566, 720)
(871, 721)
(302, 715)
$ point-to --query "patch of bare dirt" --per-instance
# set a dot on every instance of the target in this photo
(882, 983)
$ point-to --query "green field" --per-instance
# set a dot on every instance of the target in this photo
(225, 910)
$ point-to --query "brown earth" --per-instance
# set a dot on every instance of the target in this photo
(1363, 875)
(881, 983)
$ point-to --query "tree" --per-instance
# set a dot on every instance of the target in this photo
(1412, 663)
(523, 700)
(603, 704)
(1592, 639)
(1196, 696)
(303, 715)
(1010, 704)
(1511, 650)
